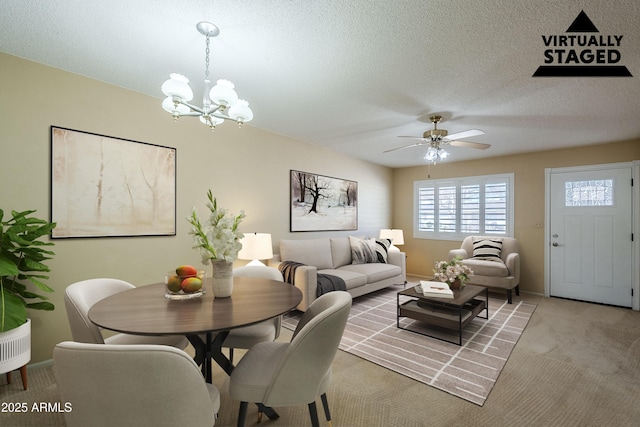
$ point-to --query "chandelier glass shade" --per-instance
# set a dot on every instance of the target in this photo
(219, 103)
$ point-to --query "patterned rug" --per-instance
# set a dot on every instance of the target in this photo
(468, 371)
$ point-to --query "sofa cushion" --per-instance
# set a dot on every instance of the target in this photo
(374, 272)
(340, 251)
(487, 249)
(486, 268)
(315, 252)
(352, 279)
(362, 251)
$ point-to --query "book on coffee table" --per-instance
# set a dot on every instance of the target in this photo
(436, 289)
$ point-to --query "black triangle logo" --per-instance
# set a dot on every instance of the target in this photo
(582, 24)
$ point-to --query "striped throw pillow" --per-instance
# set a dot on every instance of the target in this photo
(487, 249)
(382, 249)
(362, 251)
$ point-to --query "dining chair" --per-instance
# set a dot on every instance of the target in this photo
(269, 330)
(294, 373)
(132, 385)
(78, 299)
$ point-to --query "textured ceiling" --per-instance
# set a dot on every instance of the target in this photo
(354, 75)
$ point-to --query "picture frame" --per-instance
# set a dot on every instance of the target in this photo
(103, 186)
(322, 203)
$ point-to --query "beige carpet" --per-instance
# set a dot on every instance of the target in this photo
(469, 371)
(575, 365)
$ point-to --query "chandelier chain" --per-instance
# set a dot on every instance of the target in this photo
(206, 70)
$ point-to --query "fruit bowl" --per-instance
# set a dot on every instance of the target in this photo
(187, 286)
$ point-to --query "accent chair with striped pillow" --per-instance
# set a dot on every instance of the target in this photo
(495, 262)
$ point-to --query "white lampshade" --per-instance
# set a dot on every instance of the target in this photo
(241, 111)
(178, 85)
(256, 246)
(223, 93)
(396, 236)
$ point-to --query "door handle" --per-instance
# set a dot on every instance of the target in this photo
(554, 244)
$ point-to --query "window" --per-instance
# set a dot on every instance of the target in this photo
(589, 193)
(450, 209)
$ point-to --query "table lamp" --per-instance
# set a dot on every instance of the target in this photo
(396, 236)
(256, 246)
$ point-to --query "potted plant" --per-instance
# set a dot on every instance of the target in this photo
(22, 257)
(21, 263)
(219, 243)
(454, 272)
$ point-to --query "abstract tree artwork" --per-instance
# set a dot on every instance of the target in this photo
(323, 203)
(103, 186)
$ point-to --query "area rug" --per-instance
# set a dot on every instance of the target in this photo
(468, 371)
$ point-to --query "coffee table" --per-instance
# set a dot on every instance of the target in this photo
(450, 313)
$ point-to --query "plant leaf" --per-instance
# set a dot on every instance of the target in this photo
(13, 312)
(7, 267)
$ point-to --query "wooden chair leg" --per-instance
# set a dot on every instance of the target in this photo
(509, 296)
(518, 290)
(231, 355)
(23, 376)
(9, 377)
(325, 405)
(242, 413)
(313, 413)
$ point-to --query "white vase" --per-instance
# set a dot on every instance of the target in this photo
(15, 347)
(221, 278)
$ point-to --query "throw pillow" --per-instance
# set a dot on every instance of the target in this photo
(382, 249)
(362, 251)
(487, 249)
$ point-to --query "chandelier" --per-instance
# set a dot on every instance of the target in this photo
(435, 153)
(219, 103)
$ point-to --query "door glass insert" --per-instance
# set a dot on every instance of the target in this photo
(597, 192)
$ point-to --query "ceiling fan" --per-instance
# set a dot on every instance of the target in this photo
(435, 137)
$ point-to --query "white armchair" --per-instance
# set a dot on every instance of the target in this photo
(495, 265)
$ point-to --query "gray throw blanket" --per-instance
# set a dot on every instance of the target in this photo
(326, 282)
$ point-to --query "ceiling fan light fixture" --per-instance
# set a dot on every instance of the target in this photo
(431, 155)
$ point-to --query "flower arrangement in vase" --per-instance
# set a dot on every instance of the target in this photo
(454, 272)
(219, 243)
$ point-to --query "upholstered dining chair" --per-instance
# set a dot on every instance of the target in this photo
(294, 373)
(132, 385)
(269, 330)
(78, 299)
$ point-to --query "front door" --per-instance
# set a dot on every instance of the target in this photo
(590, 234)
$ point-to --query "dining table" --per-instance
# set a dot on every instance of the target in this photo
(205, 321)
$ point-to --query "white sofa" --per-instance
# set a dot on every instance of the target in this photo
(332, 256)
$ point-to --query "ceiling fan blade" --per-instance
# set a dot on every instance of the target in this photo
(465, 134)
(414, 137)
(469, 144)
(406, 146)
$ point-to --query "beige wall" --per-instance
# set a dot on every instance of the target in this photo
(529, 201)
(246, 168)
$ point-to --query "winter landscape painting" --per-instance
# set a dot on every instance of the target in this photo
(103, 186)
(322, 203)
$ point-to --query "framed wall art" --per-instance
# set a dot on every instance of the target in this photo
(102, 186)
(322, 203)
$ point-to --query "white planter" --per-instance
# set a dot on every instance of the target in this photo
(15, 347)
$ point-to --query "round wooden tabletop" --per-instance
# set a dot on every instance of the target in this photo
(145, 311)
